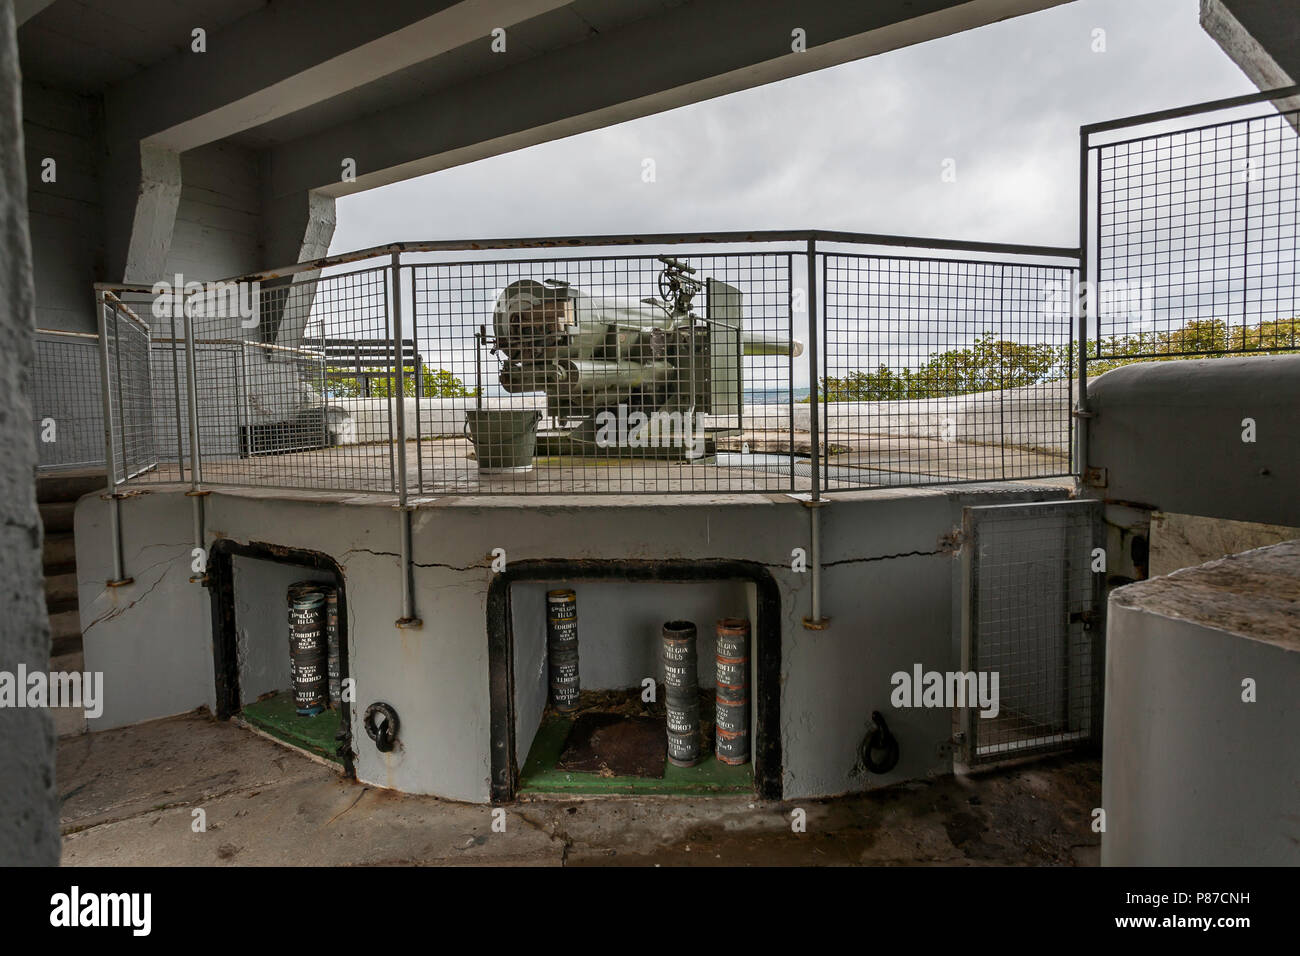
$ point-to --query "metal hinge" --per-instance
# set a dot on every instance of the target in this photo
(1089, 619)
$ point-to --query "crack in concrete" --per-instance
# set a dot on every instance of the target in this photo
(116, 612)
(765, 564)
(94, 824)
(364, 791)
(392, 554)
(555, 834)
(884, 557)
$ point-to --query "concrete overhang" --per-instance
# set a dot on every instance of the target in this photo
(1260, 36)
(406, 87)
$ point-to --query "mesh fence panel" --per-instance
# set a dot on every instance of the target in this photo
(603, 375)
(616, 374)
(941, 370)
(270, 410)
(1197, 236)
(130, 392)
(1033, 618)
(67, 405)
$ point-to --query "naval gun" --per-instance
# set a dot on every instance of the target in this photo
(629, 378)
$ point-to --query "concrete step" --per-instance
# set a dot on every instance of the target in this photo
(68, 485)
(65, 633)
(60, 553)
(68, 721)
(56, 516)
(61, 592)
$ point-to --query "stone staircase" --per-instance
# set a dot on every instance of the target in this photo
(57, 494)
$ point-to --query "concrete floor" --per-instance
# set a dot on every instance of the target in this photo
(446, 466)
(129, 796)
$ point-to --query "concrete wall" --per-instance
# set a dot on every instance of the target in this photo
(29, 825)
(262, 639)
(1192, 774)
(1036, 416)
(1169, 435)
(889, 584)
(151, 639)
(67, 214)
(1184, 541)
(619, 631)
(219, 219)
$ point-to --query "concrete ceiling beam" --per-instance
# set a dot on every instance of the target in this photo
(289, 56)
(142, 194)
(24, 10)
(1270, 55)
(689, 54)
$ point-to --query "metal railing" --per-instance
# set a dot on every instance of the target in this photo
(67, 409)
(1190, 223)
(670, 368)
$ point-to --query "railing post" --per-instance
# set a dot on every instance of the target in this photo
(814, 621)
(408, 618)
(1081, 412)
(196, 494)
(114, 499)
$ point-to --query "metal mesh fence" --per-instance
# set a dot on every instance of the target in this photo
(943, 370)
(1197, 234)
(66, 403)
(271, 410)
(129, 391)
(1034, 619)
(613, 374)
(600, 375)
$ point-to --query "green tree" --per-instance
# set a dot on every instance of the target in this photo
(990, 363)
(437, 383)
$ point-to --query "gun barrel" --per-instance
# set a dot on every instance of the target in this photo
(760, 343)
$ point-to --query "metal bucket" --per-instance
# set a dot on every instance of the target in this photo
(683, 719)
(684, 749)
(733, 716)
(733, 638)
(562, 649)
(732, 749)
(732, 739)
(307, 648)
(504, 439)
(681, 692)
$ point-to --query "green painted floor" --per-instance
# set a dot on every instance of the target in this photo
(277, 716)
(540, 774)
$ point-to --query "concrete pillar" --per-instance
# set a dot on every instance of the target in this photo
(29, 825)
(142, 191)
(298, 228)
(1202, 715)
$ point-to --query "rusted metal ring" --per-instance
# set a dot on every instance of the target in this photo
(880, 739)
(383, 734)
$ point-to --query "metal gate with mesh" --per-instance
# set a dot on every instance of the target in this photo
(1033, 615)
(126, 381)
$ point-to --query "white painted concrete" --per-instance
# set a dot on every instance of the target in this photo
(1192, 774)
(889, 583)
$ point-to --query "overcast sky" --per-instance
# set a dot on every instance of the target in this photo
(857, 147)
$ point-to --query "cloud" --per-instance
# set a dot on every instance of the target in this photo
(857, 147)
